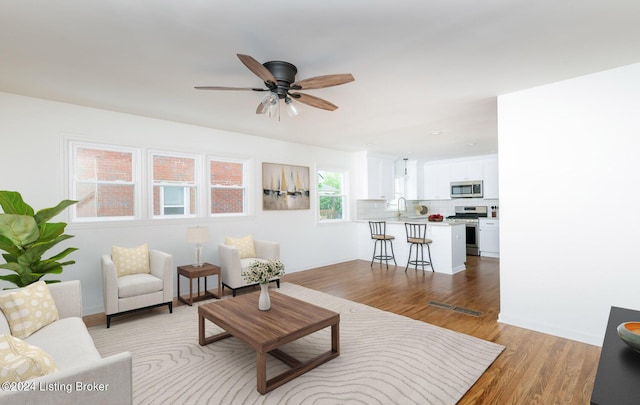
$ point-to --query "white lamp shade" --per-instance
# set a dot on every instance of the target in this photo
(197, 234)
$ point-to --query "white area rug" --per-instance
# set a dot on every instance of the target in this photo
(384, 359)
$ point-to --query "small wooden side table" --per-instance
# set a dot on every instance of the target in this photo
(191, 272)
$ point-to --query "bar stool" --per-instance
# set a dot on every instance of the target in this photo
(379, 234)
(417, 236)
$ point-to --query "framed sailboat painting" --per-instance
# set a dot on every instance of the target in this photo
(285, 187)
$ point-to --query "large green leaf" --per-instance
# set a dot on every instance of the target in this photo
(45, 266)
(62, 254)
(12, 278)
(8, 246)
(21, 230)
(12, 203)
(51, 230)
(13, 266)
(46, 214)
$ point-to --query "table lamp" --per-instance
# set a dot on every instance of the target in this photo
(198, 235)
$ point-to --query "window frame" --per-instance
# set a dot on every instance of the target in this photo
(247, 186)
(344, 194)
(136, 180)
(197, 184)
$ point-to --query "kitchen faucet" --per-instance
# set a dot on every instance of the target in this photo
(405, 206)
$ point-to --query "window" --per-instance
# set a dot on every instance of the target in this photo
(174, 185)
(228, 187)
(104, 181)
(331, 195)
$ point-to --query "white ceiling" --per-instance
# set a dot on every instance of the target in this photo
(420, 65)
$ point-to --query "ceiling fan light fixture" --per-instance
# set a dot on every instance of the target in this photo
(269, 99)
(292, 110)
(269, 104)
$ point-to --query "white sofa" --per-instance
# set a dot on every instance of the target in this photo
(82, 372)
(232, 266)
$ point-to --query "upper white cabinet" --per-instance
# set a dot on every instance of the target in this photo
(490, 177)
(466, 170)
(437, 177)
(380, 177)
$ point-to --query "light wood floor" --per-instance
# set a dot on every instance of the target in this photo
(533, 369)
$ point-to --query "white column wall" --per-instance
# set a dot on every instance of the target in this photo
(569, 162)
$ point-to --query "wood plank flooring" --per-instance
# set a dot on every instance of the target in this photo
(534, 368)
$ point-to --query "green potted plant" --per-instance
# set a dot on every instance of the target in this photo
(26, 235)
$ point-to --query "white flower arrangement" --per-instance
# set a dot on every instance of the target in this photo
(261, 271)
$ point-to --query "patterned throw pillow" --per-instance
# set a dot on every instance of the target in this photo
(130, 260)
(244, 245)
(29, 309)
(20, 361)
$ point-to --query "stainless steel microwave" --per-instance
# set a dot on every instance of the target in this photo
(466, 189)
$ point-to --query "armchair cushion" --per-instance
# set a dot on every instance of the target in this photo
(131, 260)
(29, 309)
(245, 246)
(21, 361)
(138, 284)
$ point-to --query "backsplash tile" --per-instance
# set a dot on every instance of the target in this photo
(375, 209)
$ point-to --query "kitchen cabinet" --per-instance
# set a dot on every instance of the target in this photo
(489, 239)
(380, 177)
(466, 170)
(490, 177)
(437, 180)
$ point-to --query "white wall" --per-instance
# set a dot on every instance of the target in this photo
(33, 162)
(569, 156)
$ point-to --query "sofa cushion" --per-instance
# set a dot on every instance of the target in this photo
(4, 325)
(28, 309)
(138, 284)
(20, 361)
(245, 246)
(68, 341)
(130, 260)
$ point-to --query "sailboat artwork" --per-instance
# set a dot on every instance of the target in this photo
(285, 187)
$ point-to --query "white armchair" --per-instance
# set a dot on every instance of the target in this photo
(128, 293)
(232, 265)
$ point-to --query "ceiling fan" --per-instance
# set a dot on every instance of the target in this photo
(279, 78)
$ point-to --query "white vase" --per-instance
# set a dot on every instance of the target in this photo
(264, 302)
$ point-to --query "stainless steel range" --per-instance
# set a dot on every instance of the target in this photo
(469, 215)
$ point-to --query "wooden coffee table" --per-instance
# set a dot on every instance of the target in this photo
(288, 319)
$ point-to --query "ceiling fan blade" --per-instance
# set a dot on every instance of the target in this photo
(227, 88)
(319, 82)
(257, 68)
(314, 101)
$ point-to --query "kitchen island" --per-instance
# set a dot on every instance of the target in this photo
(448, 249)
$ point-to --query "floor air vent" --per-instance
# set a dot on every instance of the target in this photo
(444, 305)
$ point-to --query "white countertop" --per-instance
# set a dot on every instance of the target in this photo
(395, 220)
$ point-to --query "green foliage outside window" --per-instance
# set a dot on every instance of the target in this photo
(330, 195)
